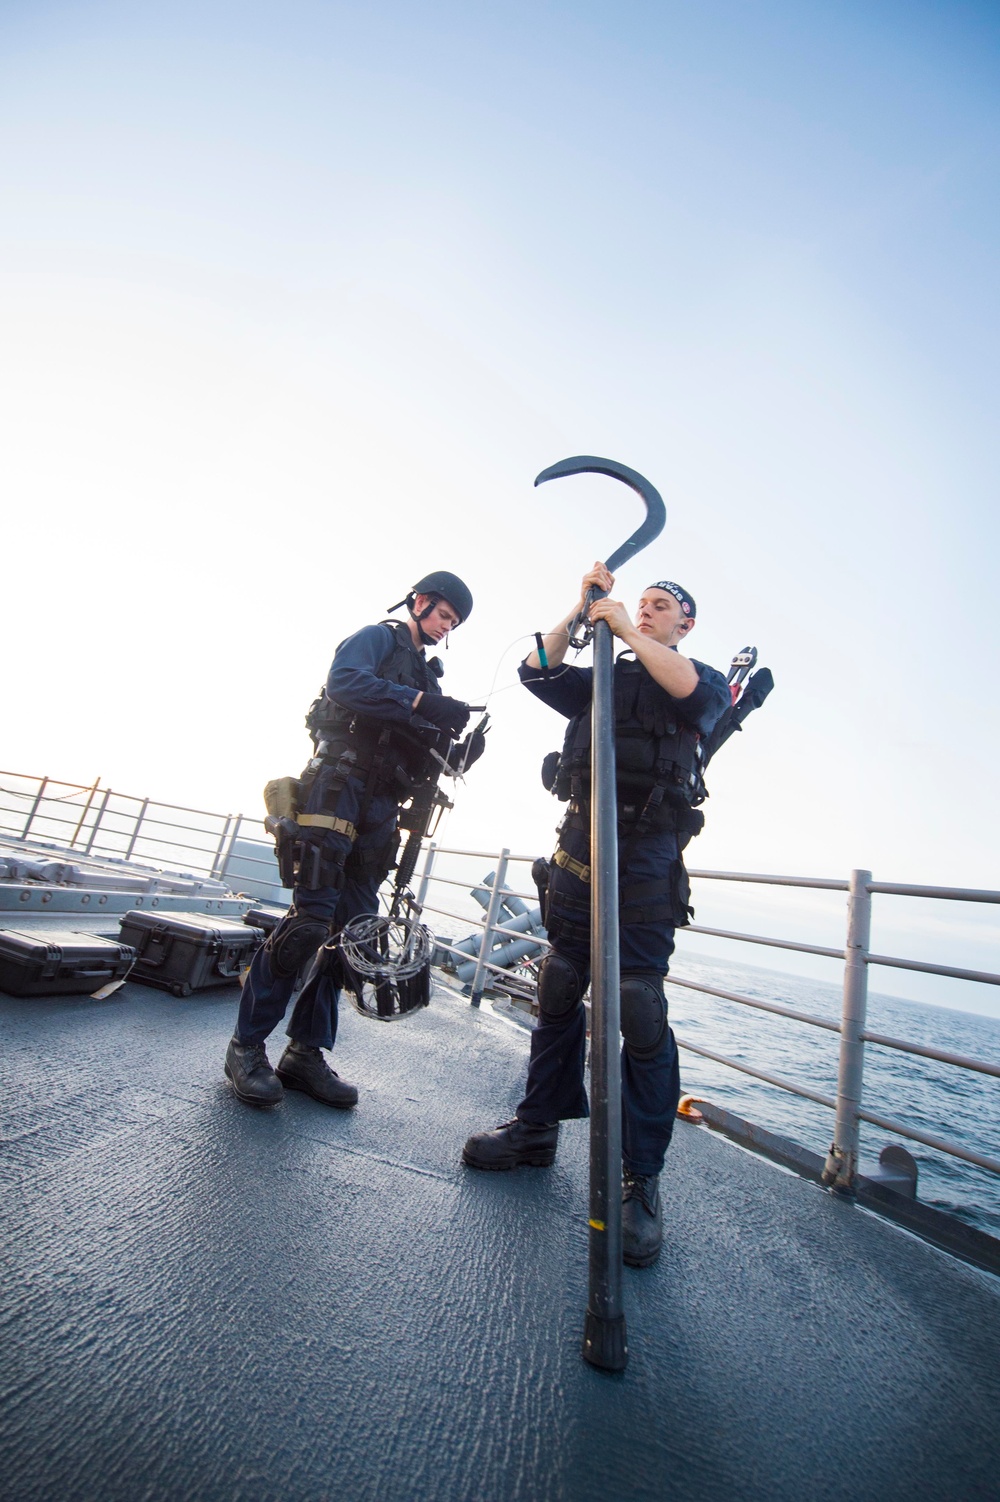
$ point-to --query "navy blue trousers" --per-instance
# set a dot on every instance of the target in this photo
(650, 1087)
(266, 996)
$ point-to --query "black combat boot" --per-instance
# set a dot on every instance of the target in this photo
(304, 1068)
(516, 1144)
(253, 1078)
(642, 1218)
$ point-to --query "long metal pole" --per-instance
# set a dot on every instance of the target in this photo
(604, 1338)
(841, 1169)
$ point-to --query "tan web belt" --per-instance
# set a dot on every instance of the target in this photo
(575, 868)
(327, 821)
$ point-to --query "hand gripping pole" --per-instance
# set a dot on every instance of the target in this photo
(604, 1338)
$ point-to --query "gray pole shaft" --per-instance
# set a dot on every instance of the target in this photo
(604, 1342)
(841, 1169)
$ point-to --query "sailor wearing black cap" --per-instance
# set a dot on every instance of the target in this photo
(664, 705)
(372, 725)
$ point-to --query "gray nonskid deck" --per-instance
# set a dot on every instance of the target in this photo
(201, 1300)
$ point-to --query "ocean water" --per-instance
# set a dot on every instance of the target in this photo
(955, 1104)
(952, 1103)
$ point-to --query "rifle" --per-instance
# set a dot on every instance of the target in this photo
(392, 954)
(423, 814)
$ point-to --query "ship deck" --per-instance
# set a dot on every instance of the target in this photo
(205, 1301)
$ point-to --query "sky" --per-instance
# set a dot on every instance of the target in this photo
(296, 302)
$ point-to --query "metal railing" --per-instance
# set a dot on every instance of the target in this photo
(40, 812)
(98, 823)
(856, 956)
(842, 1162)
(498, 890)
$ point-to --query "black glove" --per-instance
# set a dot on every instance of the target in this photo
(468, 751)
(444, 713)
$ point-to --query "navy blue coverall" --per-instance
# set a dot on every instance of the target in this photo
(354, 683)
(650, 1086)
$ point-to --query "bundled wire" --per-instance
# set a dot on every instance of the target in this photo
(386, 964)
(385, 949)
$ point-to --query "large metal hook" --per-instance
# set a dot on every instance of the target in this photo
(605, 1342)
(656, 512)
(656, 516)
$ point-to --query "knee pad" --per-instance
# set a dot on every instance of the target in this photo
(560, 986)
(644, 1015)
(294, 941)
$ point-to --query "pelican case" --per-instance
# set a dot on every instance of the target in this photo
(59, 962)
(185, 952)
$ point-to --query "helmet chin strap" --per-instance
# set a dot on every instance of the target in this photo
(433, 602)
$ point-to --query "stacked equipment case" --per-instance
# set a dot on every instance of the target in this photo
(185, 952)
(59, 962)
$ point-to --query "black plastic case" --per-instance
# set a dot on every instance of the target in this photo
(262, 917)
(59, 962)
(185, 952)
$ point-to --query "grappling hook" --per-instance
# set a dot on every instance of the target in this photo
(656, 512)
(605, 1341)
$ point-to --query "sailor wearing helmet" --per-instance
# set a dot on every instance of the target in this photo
(370, 725)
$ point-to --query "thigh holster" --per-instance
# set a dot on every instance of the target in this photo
(644, 1015)
(315, 866)
(540, 870)
(567, 910)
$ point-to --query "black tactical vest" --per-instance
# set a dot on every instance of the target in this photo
(338, 726)
(657, 756)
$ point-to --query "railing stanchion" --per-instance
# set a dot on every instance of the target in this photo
(34, 807)
(97, 821)
(135, 831)
(486, 947)
(86, 810)
(216, 858)
(841, 1169)
(425, 875)
(237, 821)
